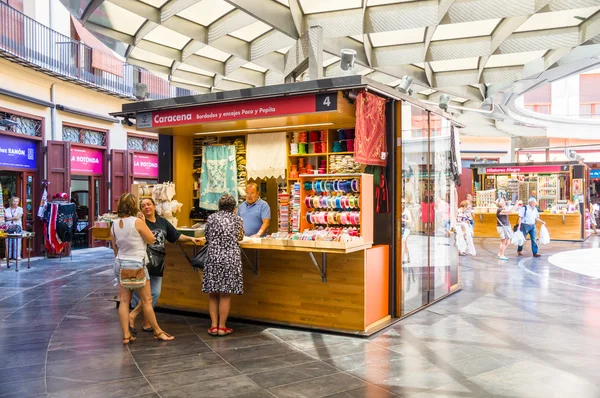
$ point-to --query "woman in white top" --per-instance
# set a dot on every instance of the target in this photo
(14, 216)
(130, 236)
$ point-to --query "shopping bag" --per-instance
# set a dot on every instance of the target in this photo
(470, 245)
(518, 238)
(544, 235)
(461, 244)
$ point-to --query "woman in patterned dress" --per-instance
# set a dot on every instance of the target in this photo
(223, 266)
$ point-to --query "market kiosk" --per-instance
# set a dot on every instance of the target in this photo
(332, 259)
(561, 190)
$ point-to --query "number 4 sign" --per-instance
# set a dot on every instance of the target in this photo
(326, 102)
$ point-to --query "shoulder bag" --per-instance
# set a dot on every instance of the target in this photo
(132, 274)
(156, 261)
(199, 259)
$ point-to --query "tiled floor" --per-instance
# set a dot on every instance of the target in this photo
(522, 328)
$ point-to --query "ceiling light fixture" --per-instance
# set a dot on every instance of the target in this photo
(347, 58)
(405, 84)
(251, 130)
(444, 100)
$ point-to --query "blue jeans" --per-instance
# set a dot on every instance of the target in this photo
(529, 229)
(155, 287)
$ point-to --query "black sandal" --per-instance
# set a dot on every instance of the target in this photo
(147, 330)
(132, 330)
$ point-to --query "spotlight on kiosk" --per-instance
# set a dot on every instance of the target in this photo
(255, 212)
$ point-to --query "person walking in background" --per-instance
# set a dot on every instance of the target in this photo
(406, 224)
(223, 265)
(503, 227)
(163, 231)
(14, 216)
(469, 209)
(528, 216)
(129, 236)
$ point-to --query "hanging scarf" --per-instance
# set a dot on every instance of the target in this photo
(370, 143)
(43, 204)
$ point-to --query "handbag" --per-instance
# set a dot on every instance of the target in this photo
(156, 261)
(133, 276)
(199, 259)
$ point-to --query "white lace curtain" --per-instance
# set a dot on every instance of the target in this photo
(266, 155)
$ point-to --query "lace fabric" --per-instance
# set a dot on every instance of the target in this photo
(219, 175)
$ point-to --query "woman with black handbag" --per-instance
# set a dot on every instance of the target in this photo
(163, 231)
(130, 236)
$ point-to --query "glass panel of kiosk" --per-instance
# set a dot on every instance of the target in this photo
(429, 205)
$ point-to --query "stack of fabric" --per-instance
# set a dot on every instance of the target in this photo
(240, 160)
(295, 212)
(339, 164)
(283, 200)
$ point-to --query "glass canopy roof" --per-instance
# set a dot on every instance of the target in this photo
(460, 47)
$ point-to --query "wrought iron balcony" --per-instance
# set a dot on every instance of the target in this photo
(28, 42)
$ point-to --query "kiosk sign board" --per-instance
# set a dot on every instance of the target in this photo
(255, 109)
(86, 160)
(595, 173)
(525, 169)
(18, 153)
(145, 165)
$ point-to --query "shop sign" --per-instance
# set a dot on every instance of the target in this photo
(18, 153)
(525, 169)
(239, 110)
(86, 160)
(595, 173)
(145, 165)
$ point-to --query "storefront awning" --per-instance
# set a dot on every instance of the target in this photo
(102, 58)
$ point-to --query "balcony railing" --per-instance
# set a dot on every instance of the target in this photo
(26, 41)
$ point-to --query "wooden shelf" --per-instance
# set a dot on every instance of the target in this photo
(341, 153)
(309, 155)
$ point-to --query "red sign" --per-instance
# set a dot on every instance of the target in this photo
(145, 165)
(239, 110)
(525, 169)
(86, 160)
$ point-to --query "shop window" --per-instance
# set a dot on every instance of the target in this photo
(24, 125)
(135, 143)
(539, 108)
(92, 137)
(84, 136)
(589, 110)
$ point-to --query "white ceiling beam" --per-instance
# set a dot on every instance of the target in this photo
(165, 70)
(392, 17)
(227, 85)
(337, 23)
(229, 23)
(194, 77)
(271, 13)
(187, 28)
(173, 7)
(192, 87)
(142, 9)
(146, 28)
(269, 42)
(113, 34)
(233, 46)
(247, 76)
(206, 64)
(191, 48)
(159, 49)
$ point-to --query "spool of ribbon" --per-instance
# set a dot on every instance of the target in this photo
(294, 148)
(314, 136)
(302, 148)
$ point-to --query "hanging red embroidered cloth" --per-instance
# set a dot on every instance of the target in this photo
(369, 144)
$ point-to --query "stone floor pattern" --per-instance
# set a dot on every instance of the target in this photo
(522, 328)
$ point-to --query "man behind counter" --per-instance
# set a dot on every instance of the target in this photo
(255, 212)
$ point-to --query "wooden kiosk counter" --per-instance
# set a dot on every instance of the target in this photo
(351, 285)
